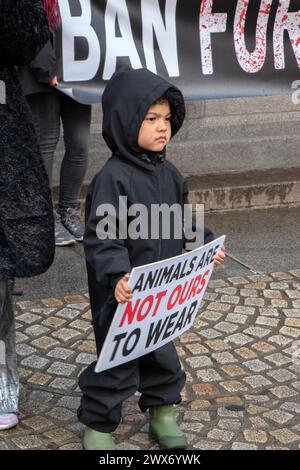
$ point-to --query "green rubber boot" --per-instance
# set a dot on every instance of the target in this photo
(95, 440)
(164, 429)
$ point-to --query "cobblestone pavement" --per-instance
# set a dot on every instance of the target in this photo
(242, 359)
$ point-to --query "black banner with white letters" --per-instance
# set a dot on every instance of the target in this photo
(208, 48)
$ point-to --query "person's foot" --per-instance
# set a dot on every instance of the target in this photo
(95, 440)
(72, 222)
(62, 236)
(8, 420)
(164, 429)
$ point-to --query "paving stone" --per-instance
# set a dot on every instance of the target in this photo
(224, 357)
(199, 405)
(28, 442)
(226, 327)
(257, 398)
(258, 423)
(27, 304)
(219, 307)
(189, 338)
(85, 358)
(65, 334)
(254, 302)
(52, 302)
(256, 365)
(40, 395)
(69, 402)
(60, 413)
(292, 312)
(88, 346)
(269, 312)
(280, 303)
(29, 318)
(260, 278)
(71, 446)
(81, 325)
(257, 285)
(230, 299)
(227, 290)
(196, 348)
(216, 283)
(204, 389)
(263, 347)
(283, 391)
(199, 361)
(59, 436)
(206, 445)
(256, 409)
(24, 373)
(257, 331)
(208, 375)
(45, 342)
(248, 292)
(229, 400)
(288, 331)
(240, 339)
(196, 416)
(210, 296)
(210, 333)
(233, 386)
(54, 322)
(221, 435)
(291, 406)
(40, 379)
(233, 370)
(281, 375)
(211, 315)
(35, 361)
(280, 340)
(277, 416)
(37, 423)
(229, 424)
(255, 436)
(256, 381)
(281, 276)
(279, 285)
(267, 321)
(68, 313)
(62, 383)
(25, 349)
(243, 446)
(191, 427)
(218, 344)
(272, 294)
(43, 311)
(284, 435)
(294, 322)
(61, 368)
(296, 304)
(20, 337)
(278, 359)
(245, 353)
(225, 413)
(293, 294)
(60, 353)
(244, 310)
(236, 318)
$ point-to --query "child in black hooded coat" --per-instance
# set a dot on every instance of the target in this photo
(141, 112)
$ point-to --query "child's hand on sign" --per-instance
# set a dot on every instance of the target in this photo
(123, 292)
(220, 257)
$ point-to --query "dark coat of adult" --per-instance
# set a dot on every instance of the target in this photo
(26, 213)
(144, 177)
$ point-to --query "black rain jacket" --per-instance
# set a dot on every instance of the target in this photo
(144, 177)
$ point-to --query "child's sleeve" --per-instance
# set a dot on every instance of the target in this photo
(107, 258)
(208, 234)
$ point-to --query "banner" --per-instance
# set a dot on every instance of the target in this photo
(208, 48)
(165, 301)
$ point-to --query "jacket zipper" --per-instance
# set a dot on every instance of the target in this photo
(159, 192)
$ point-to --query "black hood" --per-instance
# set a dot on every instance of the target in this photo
(126, 100)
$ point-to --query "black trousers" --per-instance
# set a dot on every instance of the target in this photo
(158, 376)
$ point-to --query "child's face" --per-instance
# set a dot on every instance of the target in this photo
(155, 131)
